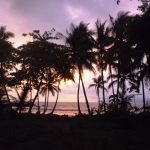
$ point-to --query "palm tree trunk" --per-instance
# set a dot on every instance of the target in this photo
(8, 99)
(35, 97)
(111, 80)
(30, 91)
(143, 95)
(23, 97)
(78, 103)
(30, 108)
(88, 107)
(45, 101)
(123, 87)
(102, 69)
(103, 90)
(98, 100)
(38, 112)
(143, 90)
(56, 99)
(18, 96)
(118, 82)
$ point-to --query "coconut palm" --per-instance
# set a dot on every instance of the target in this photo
(139, 27)
(5, 35)
(80, 41)
(98, 84)
(7, 60)
(121, 46)
(103, 40)
(48, 85)
(64, 72)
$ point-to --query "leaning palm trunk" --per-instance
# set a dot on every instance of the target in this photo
(8, 99)
(78, 103)
(35, 97)
(111, 81)
(38, 112)
(88, 107)
(30, 91)
(56, 99)
(31, 105)
(18, 97)
(23, 97)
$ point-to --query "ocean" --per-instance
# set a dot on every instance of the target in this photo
(66, 108)
(70, 108)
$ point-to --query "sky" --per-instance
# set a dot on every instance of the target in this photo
(24, 16)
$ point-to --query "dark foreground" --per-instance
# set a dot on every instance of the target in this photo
(41, 132)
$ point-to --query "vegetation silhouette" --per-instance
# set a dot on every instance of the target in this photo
(38, 68)
(143, 7)
(99, 84)
(44, 65)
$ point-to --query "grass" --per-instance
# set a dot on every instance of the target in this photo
(41, 132)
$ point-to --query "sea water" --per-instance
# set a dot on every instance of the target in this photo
(71, 108)
(65, 108)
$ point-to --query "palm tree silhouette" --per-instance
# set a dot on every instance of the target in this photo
(139, 27)
(6, 58)
(64, 72)
(48, 85)
(80, 41)
(103, 40)
(121, 47)
(40, 58)
(98, 84)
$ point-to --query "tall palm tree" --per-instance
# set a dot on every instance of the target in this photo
(6, 58)
(98, 84)
(139, 27)
(110, 61)
(103, 40)
(80, 41)
(122, 49)
(64, 72)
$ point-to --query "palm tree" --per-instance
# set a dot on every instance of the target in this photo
(103, 40)
(47, 86)
(110, 60)
(40, 57)
(5, 35)
(98, 84)
(139, 27)
(80, 41)
(122, 49)
(64, 72)
(6, 58)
